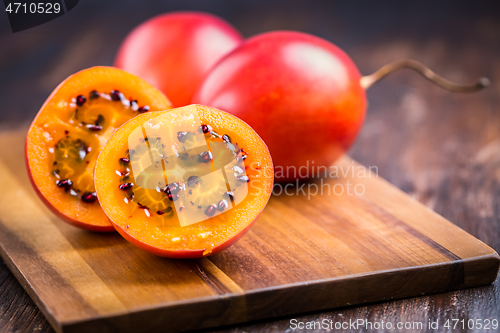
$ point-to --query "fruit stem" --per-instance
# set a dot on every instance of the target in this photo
(368, 80)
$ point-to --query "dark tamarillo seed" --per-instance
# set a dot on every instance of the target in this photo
(210, 211)
(205, 157)
(173, 196)
(222, 205)
(80, 100)
(116, 95)
(94, 95)
(125, 186)
(65, 183)
(172, 188)
(94, 128)
(182, 136)
(89, 197)
(193, 181)
(205, 129)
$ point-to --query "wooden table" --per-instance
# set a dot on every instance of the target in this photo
(440, 147)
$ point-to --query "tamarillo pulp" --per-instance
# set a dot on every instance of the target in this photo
(181, 196)
(69, 131)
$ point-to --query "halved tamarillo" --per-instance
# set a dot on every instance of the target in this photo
(184, 183)
(69, 131)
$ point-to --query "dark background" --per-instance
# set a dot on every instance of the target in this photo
(442, 148)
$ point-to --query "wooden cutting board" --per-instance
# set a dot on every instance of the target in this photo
(301, 255)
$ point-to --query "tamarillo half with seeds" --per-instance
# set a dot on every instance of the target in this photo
(171, 182)
(69, 131)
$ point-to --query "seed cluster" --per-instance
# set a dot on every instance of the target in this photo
(78, 149)
(115, 96)
(173, 191)
(75, 150)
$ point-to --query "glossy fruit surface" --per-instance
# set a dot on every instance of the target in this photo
(174, 51)
(184, 183)
(301, 93)
(69, 131)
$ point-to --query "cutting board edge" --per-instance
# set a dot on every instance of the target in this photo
(54, 323)
(492, 261)
(472, 267)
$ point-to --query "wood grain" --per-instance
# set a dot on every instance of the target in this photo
(305, 253)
